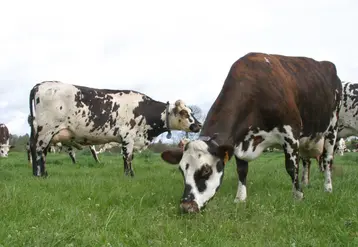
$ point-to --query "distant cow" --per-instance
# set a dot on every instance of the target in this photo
(341, 146)
(77, 115)
(4, 141)
(265, 100)
(347, 123)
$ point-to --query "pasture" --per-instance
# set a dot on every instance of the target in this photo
(91, 204)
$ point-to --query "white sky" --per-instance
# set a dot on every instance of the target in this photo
(166, 49)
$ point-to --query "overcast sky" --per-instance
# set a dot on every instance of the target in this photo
(165, 49)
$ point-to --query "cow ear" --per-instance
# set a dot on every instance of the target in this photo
(12, 146)
(225, 152)
(172, 156)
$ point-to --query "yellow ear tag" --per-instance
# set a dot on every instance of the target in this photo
(226, 157)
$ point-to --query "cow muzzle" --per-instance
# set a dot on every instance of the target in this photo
(189, 207)
(195, 127)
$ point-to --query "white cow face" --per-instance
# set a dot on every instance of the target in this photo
(202, 165)
(4, 150)
(181, 118)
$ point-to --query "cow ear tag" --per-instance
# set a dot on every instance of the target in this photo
(226, 157)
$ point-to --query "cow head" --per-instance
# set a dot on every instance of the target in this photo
(202, 166)
(182, 118)
(4, 149)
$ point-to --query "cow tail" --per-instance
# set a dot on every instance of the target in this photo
(31, 119)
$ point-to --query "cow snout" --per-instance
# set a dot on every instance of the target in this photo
(189, 207)
(195, 127)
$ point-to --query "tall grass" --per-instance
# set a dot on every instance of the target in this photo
(91, 204)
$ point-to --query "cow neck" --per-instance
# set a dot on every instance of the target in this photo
(169, 135)
(216, 136)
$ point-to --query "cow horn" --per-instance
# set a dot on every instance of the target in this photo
(180, 104)
(210, 139)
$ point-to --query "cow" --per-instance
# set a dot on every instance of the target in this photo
(266, 100)
(341, 147)
(77, 115)
(347, 123)
(4, 141)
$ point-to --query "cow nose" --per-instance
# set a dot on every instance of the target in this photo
(195, 127)
(189, 207)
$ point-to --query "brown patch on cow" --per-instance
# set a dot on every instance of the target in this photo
(266, 91)
(257, 140)
(4, 134)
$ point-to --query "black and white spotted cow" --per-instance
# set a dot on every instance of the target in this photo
(341, 146)
(77, 116)
(4, 141)
(347, 124)
(266, 100)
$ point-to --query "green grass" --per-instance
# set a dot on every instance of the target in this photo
(91, 204)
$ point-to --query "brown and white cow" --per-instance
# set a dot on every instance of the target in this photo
(265, 100)
(77, 116)
(347, 124)
(4, 141)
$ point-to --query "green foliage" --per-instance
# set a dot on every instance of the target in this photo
(91, 204)
(19, 142)
(352, 144)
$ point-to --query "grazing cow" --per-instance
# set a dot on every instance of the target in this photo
(341, 146)
(265, 100)
(4, 141)
(77, 115)
(347, 123)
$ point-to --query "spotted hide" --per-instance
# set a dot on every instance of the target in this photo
(266, 100)
(347, 123)
(77, 116)
(4, 141)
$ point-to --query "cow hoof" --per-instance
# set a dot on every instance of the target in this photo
(129, 173)
(328, 188)
(238, 200)
(298, 195)
(306, 184)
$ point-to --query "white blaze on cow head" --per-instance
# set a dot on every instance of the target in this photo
(4, 149)
(202, 165)
(182, 118)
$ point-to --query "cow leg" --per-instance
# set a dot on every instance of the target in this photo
(29, 158)
(127, 148)
(290, 147)
(72, 154)
(40, 150)
(242, 168)
(94, 153)
(327, 161)
(306, 164)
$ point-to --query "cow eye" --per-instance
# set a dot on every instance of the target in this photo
(206, 171)
(184, 113)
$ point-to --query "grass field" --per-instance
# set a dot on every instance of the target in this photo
(91, 204)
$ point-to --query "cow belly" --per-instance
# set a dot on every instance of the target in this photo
(67, 135)
(311, 148)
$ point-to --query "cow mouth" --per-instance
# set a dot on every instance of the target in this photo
(189, 207)
(195, 128)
